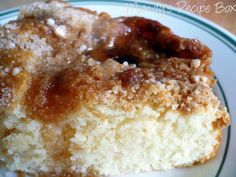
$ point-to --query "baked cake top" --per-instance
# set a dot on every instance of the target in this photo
(55, 57)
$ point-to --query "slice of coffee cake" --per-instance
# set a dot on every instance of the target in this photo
(84, 94)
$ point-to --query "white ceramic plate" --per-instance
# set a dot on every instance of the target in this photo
(223, 45)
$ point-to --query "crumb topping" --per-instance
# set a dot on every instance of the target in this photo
(15, 71)
(126, 59)
(196, 63)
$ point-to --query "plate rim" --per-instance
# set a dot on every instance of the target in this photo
(217, 31)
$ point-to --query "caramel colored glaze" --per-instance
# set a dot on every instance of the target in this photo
(162, 39)
(132, 76)
(50, 97)
(148, 41)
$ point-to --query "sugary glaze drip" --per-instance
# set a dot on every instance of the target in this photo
(51, 96)
(147, 41)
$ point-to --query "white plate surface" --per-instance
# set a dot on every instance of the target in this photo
(223, 45)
